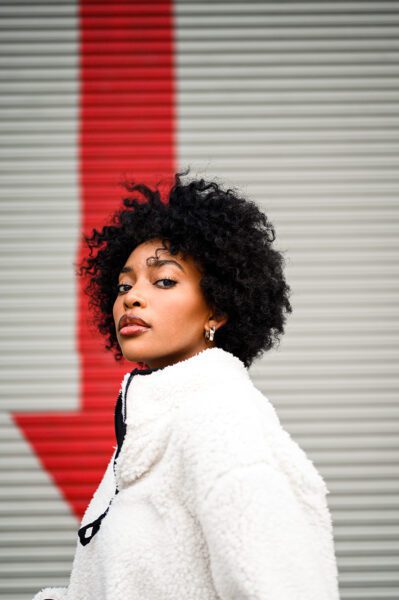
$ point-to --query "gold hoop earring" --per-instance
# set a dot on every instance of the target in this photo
(209, 333)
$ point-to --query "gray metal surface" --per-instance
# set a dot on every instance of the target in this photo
(39, 220)
(296, 105)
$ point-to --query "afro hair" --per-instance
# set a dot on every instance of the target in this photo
(229, 238)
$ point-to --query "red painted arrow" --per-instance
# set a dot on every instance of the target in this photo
(127, 127)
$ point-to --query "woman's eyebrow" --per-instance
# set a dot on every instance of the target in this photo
(155, 263)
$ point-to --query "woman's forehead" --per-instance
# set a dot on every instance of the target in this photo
(154, 254)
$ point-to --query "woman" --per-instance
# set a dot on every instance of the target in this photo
(206, 495)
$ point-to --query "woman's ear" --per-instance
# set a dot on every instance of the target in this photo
(218, 319)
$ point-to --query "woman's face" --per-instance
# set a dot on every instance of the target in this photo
(168, 297)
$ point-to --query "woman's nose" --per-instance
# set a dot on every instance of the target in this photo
(134, 298)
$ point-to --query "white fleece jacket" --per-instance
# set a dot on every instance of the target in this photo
(216, 500)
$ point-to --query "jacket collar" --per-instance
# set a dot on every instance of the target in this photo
(159, 388)
(153, 395)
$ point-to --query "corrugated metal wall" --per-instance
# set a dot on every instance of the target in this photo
(295, 103)
(73, 123)
(39, 226)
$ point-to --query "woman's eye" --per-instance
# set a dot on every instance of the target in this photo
(170, 280)
(171, 283)
(118, 287)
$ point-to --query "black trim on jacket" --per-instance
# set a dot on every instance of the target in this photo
(87, 532)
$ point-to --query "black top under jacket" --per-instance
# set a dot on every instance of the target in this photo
(87, 532)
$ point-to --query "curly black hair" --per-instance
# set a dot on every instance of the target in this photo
(229, 238)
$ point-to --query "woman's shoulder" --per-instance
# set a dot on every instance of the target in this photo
(235, 425)
(227, 405)
(222, 429)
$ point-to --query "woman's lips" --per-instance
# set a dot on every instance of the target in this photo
(133, 329)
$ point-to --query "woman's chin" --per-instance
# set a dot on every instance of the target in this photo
(134, 358)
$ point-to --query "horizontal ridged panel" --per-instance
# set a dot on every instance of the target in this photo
(296, 105)
(39, 369)
(60, 138)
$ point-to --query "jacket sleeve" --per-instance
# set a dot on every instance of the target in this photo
(51, 594)
(260, 546)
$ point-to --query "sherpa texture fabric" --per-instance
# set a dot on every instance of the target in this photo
(51, 594)
(216, 500)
